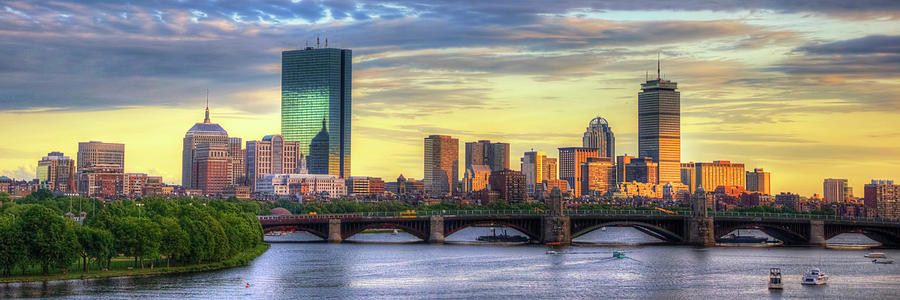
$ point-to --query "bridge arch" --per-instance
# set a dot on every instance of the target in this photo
(530, 233)
(647, 228)
(346, 232)
(886, 237)
(311, 230)
(783, 233)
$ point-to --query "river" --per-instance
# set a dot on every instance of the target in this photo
(397, 271)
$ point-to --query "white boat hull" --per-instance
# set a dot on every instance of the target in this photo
(814, 281)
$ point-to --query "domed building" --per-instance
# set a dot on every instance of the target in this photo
(280, 211)
(599, 135)
(205, 164)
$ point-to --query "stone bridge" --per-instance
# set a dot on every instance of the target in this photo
(675, 228)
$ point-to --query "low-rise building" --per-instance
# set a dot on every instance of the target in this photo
(319, 185)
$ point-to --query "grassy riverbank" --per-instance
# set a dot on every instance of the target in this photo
(121, 269)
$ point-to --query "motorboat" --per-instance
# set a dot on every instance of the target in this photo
(551, 251)
(876, 255)
(737, 238)
(395, 232)
(775, 282)
(501, 238)
(619, 254)
(603, 228)
(814, 277)
(883, 261)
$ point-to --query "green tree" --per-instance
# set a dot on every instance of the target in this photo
(12, 250)
(137, 237)
(96, 244)
(175, 241)
(49, 240)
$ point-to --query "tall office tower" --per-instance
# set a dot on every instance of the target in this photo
(835, 190)
(689, 177)
(758, 181)
(599, 135)
(597, 176)
(659, 126)
(95, 154)
(552, 169)
(56, 172)
(622, 162)
(719, 173)
(441, 164)
(642, 170)
(212, 168)
(238, 166)
(570, 160)
(272, 155)
(315, 86)
(201, 133)
(493, 155)
(536, 169)
(883, 198)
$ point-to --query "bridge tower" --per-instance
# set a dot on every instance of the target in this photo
(700, 229)
(556, 227)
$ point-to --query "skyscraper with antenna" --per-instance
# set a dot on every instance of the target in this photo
(659, 125)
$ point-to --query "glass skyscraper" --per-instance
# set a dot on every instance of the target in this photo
(315, 87)
(659, 127)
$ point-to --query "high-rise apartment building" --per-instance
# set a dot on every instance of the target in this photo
(212, 168)
(238, 166)
(883, 197)
(315, 86)
(659, 126)
(441, 164)
(96, 154)
(56, 172)
(536, 168)
(720, 173)
(476, 178)
(597, 176)
(552, 169)
(205, 132)
(689, 176)
(510, 185)
(272, 155)
(483, 152)
(599, 135)
(836, 190)
(622, 162)
(759, 181)
(570, 160)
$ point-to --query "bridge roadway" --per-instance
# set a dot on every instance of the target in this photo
(677, 228)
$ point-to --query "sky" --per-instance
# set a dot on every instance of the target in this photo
(804, 89)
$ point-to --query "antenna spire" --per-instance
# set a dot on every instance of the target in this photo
(326, 42)
(317, 42)
(657, 66)
(206, 119)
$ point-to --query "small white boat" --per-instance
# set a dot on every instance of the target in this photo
(551, 251)
(395, 232)
(876, 255)
(603, 228)
(883, 261)
(814, 277)
(775, 282)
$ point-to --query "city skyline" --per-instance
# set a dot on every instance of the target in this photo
(772, 102)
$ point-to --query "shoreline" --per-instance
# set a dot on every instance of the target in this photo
(238, 260)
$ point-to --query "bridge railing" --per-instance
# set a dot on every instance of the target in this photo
(801, 217)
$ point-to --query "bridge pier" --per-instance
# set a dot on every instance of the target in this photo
(556, 229)
(334, 231)
(436, 234)
(701, 232)
(817, 233)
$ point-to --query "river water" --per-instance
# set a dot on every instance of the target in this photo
(397, 271)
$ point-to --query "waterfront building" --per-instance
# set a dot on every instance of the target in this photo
(689, 176)
(622, 162)
(483, 152)
(316, 86)
(211, 172)
(365, 186)
(273, 155)
(536, 168)
(510, 185)
(319, 185)
(476, 178)
(836, 190)
(570, 160)
(642, 169)
(56, 172)
(720, 173)
(238, 166)
(205, 132)
(883, 198)
(597, 176)
(659, 126)
(599, 135)
(759, 181)
(441, 165)
(96, 154)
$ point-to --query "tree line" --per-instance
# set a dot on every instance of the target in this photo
(35, 234)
